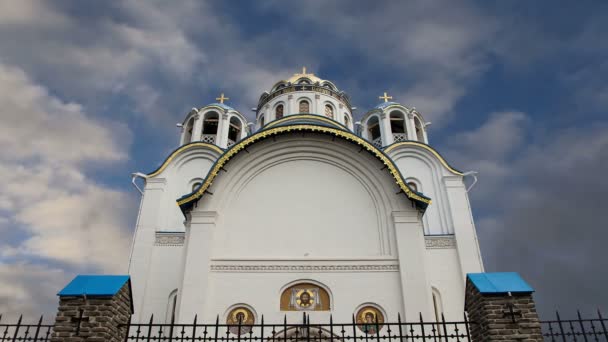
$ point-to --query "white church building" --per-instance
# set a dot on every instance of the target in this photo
(304, 210)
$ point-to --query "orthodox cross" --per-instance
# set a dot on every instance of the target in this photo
(385, 97)
(303, 72)
(222, 98)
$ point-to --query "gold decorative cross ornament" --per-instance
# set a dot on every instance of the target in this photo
(385, 97)
(222, 98)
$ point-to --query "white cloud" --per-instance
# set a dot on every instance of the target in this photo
(55, 211)
(29, 290)
(39, 126)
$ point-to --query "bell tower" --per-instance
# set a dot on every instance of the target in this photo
(216, 123)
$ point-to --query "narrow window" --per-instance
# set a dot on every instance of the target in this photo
(413, 186)
(304, 106)
(346, 121)
(262, 121)
(279, 112)
(195, 186)
(329, 111)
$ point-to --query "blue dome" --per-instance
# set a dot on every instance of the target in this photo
(385, 104)
(221, 105)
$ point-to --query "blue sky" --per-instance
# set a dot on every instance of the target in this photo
(90, 92)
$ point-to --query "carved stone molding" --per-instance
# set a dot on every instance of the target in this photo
(169, 239)
(444, 241)
(304, 268)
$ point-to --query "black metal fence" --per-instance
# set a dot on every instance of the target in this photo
(25, 332)
(593, 329)
(304, 331)
(579, 329)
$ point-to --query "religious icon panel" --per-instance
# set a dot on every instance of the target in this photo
(305, 297)
(240, 320)
(369, 319)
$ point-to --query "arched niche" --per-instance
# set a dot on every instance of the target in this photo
(398, 126)
(234, 130)
(305, 296)
(210, 127)
(373, 131)
(295, 196)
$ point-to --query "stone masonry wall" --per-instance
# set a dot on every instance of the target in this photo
(492, 317)
(100, 321)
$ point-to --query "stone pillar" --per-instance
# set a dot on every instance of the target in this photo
(197, 131)
(411, 249)
(464, 227)
(194, 289)
(93, 309)
(385, 129)
(150, 215)
(501, 308)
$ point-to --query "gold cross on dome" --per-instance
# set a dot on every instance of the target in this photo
(385, 97)
(222, 98)
(303, 72)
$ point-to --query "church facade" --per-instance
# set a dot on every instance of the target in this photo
(303, 210)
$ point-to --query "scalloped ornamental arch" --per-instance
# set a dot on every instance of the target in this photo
(187, 201)
(426, 147)
(178, 151)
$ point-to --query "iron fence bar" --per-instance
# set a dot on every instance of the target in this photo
(17, 328)
(307, 326)
(217, 322)
(573, 332)
(261, 330)
(445, 328)
(285, 328)
(149, 329)
(400, 328)
(331, 328)
(599, 314)
(561, 327)
(422, 327)
(194, 328)
(354, 329)
(580, 322)
(38, 329)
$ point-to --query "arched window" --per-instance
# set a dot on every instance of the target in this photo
(329, 111)
(398, 126)
(210, 127)
(196, 185)
(346, 121)
(373, 131)
(418, 126)
(279, 112)
(304, 106)
(305, 297)
(234, 130)
(413, 186)
(188, 131)
(262, 121)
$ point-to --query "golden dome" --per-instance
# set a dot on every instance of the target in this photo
(311, 77)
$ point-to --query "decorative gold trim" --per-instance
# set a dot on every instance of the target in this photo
(273, 131)
(305, 116)
(180, 150)
(428, 148)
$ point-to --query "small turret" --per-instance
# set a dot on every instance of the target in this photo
(215, 123)
(391, 122)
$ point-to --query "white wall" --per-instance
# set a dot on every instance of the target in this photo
(303, 200)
